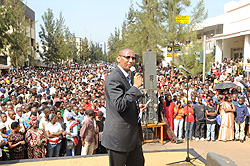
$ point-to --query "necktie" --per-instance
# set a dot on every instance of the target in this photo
(129, 81)
(137, 105)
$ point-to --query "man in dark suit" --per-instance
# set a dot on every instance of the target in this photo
(122, 134)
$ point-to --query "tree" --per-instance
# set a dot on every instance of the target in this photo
(141, 31)
(154, 25)
(47, 36)
(84, 50)
(5, 17)
(114, 45)
(58, 42)
(18, 41)
(95, 53)
(193, 45)
(174, 32)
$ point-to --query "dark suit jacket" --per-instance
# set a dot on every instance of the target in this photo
(121, 129)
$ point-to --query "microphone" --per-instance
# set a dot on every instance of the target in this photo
(181, 67)
(243, 83)
(133, 69)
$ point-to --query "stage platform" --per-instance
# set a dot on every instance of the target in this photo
(152, 158)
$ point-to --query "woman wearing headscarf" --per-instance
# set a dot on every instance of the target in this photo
(169, 110)
(53, 131)
(36, 140)
(72, 132)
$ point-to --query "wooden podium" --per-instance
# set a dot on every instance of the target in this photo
(161, 125)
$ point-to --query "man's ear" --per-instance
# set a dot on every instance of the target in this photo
(118, 58)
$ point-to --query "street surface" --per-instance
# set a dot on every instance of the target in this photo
(236, 151)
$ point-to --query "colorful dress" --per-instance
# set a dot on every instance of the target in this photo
(19, 151)
(33, 138)
(169, 112)
(227, 122)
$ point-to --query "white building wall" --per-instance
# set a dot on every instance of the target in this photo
(218, 51)
(231, 43)
(237, 16)
(246, 48)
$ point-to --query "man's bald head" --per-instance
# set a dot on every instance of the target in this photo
(125, 51)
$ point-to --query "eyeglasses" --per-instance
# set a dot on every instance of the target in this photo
(128, 57)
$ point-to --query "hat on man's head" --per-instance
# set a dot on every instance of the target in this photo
(71, 116)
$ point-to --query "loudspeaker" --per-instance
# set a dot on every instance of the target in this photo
(214, 159)
(149, 72)
(150, 116)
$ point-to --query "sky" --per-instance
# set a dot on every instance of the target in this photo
(96, 19)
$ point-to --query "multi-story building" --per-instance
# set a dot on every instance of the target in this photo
(102, 45)
(30, 16)
(230, 32)
(227, 34)
(79, 41)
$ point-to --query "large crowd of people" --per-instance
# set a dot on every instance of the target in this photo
(52, 112)
(62, 111)
(214, 114)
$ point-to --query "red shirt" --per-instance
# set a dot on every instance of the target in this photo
(190, 115)
(89, 107)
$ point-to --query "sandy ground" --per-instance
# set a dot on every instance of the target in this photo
(236, 151)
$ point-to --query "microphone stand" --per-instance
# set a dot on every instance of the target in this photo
(188, 159)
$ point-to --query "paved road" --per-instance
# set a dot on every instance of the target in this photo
(236, 151)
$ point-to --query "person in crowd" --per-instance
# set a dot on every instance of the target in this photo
(226, 132)
(100, 120)
(63, 150)
(3, 118)
(235, 99)
(200, 122)
(169, 110)
(54, 133)
(36, 140)
(241, 114)
(44, 120)
(10, 120)
(4, 150)
(178, 120)
(82, 115)
(188, 109)
(16, 142)
(72, 132)
(161, 113)
(210, 113)
(87, 134)
(19, 114)
(26, 121)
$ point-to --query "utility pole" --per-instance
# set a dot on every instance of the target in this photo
(204, 58)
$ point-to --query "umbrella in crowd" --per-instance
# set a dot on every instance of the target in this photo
(224, 85)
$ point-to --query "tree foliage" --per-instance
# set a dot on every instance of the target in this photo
(153, 25)
(188, 52)
(141, 31)
(13, 30)
(5, 22)
(114, 44)
(95, 53)
(57, 40)
(84, 50)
